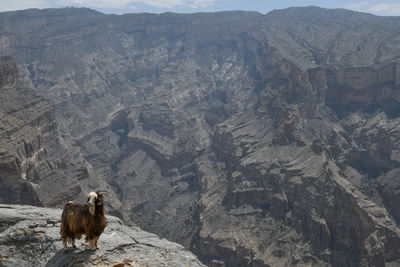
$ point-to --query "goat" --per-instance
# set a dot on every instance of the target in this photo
(85, 219)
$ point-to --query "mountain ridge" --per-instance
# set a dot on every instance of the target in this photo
(251, 139)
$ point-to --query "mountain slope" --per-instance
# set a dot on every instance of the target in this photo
(36, 168)
(251, 139)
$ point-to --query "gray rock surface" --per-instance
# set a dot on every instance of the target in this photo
(30, 236)
(253, 140)
(36, 167)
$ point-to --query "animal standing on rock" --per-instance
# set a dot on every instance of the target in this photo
(87, 219)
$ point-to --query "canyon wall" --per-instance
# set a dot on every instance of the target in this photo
(36, 168)
(253, 140)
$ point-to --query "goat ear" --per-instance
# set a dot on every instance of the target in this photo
(99, 199)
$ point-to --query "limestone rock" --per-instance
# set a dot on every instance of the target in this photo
(253, 140)
(30, 237)
(35, 165)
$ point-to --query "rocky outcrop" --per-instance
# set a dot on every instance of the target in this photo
(253, 140)
(365, 89)
(29, 236)
(9, 72)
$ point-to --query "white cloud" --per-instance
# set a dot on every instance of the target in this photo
(385, 9)
(357, 6)
(6, 5)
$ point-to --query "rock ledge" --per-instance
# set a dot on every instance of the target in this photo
(29, 236)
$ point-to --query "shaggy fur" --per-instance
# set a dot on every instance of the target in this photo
(87, 219)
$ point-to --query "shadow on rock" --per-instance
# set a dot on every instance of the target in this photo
(70, 258)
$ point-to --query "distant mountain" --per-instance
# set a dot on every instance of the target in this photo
(253, 140)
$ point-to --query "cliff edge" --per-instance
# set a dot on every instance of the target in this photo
(29, 236)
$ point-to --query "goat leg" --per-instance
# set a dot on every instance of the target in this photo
(95, 242)
(65, 244)
(91, 244)
(73, 243)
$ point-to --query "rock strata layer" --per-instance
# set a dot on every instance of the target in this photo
(253, 140)
(35, 165)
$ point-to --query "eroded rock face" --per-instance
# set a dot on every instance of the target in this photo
(253, 140)
(30, 236)
(35, 167)
(23, 113)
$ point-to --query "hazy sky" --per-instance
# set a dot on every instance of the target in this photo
(379, 7)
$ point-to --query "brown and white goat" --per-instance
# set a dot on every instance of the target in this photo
(87, 219)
